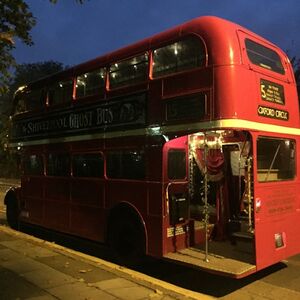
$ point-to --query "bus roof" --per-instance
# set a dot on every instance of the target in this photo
(218, 34)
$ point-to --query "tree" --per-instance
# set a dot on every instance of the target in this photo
(25, 73)
(296, 67)
(16, 21)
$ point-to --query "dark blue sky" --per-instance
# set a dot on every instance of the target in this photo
(73, 33)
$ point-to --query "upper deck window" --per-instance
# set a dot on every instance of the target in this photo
(182, 55)
(264, 57)
(60, 92)
(129, 71)
(91, 83)
(30, 100)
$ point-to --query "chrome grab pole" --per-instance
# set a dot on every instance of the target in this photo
(206, 212)
(249, 194)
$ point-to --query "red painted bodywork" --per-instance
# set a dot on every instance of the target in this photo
(232, 84)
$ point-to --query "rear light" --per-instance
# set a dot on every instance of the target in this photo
(257, 204)
(279, 240)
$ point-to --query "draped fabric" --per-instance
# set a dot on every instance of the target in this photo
(214, 163)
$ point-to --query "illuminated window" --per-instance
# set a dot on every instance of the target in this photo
(60, 92)
(130, 71)
(264, 57)
(91, 83)
(182, 55)
(30, 100)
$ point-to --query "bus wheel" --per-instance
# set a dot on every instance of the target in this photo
(12, 213)
(127, 240)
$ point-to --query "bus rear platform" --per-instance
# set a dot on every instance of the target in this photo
(223, 258)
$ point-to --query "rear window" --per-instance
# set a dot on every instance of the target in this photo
(264, 57)
(276, 159)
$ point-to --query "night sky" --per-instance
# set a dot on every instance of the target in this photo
(71, 33)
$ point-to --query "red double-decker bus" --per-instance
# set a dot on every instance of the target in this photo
(182, 146)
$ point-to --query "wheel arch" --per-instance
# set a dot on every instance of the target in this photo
(126, 208)
(12, 194)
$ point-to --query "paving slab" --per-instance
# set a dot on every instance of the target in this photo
(23, 265)
(45, 297)
(13, 286)
(8, 255)
(28, 248)
(7, 237)
(79, 291)
(76, 268)
(115, 283)
(47, 277)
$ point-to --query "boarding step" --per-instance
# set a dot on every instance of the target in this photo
(243, 241)
(243, 235)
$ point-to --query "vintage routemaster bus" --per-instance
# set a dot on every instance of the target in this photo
(183, 146)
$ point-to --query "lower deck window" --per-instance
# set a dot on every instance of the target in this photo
(33, 164)
(275, 159)
(87, 165)
(125, 164)
(58, 164)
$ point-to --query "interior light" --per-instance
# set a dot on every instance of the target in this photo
(175, 50)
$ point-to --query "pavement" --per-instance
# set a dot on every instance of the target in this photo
(35, 269)
(31, 268)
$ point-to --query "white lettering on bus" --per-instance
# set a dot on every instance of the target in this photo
(104, 116)
(81, 120)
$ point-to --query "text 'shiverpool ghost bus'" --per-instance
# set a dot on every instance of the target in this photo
(182, 146)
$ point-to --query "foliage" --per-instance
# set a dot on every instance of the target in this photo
(296, 66)
(16, 21)
(9, 160)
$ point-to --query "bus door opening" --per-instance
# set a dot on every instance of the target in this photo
(220, 189)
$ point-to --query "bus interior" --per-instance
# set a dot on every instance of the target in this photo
(216, 210)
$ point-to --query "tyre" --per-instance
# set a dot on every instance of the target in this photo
(127, 240)
(12, 213)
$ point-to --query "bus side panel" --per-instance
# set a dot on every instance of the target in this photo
(277, 220)
(32, 198)
(57, 203)
(87, 208)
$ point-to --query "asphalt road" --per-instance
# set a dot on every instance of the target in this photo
(281, 281)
